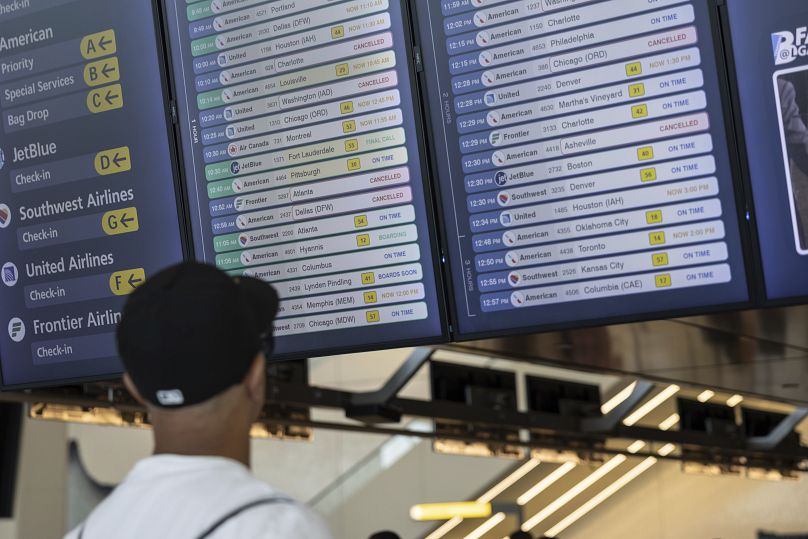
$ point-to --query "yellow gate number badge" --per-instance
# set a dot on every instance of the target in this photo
(113, 161)
(102, 72)
(98, 45)
(104, 99)
(124, 282)
(122, 221)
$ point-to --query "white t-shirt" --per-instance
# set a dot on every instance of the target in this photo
(181, 497)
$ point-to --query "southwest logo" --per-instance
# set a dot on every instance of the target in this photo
(788, 46)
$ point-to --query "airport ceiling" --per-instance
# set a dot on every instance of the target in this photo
(763, 352)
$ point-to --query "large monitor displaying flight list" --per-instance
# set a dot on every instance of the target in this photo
(581, 150)
(404, 172)
(88, 208)
(303, 161)
(770, 50)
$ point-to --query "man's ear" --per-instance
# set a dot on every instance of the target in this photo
(255, 380)
(130, 386)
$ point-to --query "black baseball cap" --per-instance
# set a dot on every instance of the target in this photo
(191, 331)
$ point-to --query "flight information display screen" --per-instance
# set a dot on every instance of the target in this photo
(582, 154)
(770, 48)
(87, 193)
(403, 172)
(304, 164)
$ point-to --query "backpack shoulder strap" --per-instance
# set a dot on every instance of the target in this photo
(238, 511)
(229, 516)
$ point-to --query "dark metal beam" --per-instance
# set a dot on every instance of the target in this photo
(384, 406)
(610, 421)
(726, 452)
(779, 433)
(564, 428)
(510, 508)
(374, 406)
(396, 383)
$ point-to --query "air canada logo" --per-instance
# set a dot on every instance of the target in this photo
(788, 46)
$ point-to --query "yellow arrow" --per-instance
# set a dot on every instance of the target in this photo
(102, 72)
(98, 45)
(113, 161)
(123, 221)
(105, 99)
(125, 282)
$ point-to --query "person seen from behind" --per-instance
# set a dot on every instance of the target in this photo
(194, 344)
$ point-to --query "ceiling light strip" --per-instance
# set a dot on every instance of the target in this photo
(651, 405)
(706, 395)
(587, 482)
(601, 497)
(497, 489)
(448, 526)
(645, 409)
(666, 450)
(618, 399)
(506, 483)
(486, 526)
(636, 446)
(734, 401)
(542, 485)
(669, 423)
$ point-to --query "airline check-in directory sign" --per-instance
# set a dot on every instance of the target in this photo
(303, 164)
(582, 155)
(770, 46)
(87, 200)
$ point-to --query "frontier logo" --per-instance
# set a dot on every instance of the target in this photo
(16, 329)
(788, 46)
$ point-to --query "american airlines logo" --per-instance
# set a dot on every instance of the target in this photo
(788, 46)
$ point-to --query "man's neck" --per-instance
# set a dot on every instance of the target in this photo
(229, 442)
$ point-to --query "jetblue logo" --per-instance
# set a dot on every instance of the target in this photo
(788, 46)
